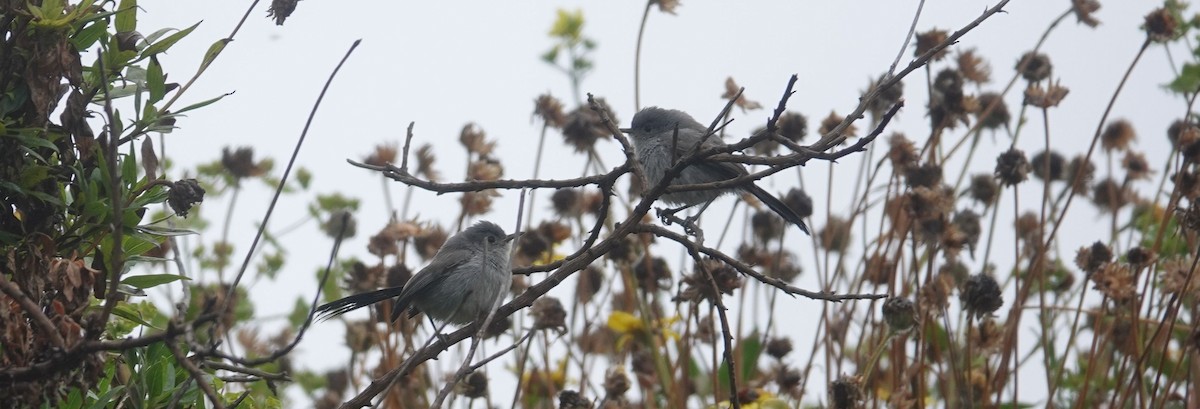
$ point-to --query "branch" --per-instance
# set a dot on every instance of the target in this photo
(747, 269)
(33, 311)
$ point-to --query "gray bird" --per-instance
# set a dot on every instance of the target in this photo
(657, 148)
(460, 284)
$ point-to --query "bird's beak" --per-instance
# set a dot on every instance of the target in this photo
(625, 130)
(510, 237)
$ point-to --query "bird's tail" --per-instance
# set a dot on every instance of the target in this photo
(354, 302)
(778, 207)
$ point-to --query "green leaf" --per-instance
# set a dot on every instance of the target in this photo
(303, 177)
(124, 311)
(751, 351)
(213, 51)
(127, 16)
(1188, 80)
(155, 81)
(165, 231)
(299, 313)
(106, 398)
(88, 36)
(151, 280)
(550, 55)
(166, 43)
(201, 104)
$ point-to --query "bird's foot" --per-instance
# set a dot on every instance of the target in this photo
(668, 217)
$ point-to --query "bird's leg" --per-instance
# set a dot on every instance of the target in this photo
(437, 331)
(667, 216)
(689, 224)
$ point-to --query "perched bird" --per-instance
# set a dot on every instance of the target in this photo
(461, 283)
(658, 147)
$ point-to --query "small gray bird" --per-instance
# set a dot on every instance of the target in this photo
(657, 148)
(460, 284)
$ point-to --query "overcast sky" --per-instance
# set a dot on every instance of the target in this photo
(443, 64)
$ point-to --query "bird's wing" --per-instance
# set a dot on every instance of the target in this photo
(725, 170)
(444, 262)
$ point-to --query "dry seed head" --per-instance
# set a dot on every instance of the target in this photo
(1011, 167)
(653, 274)
(900, 314)
(397, 275)
(485, 169)
(887, 97)
(383, 154)
(832, 121)
(793, 126)
(1080, 172)
(1048, 167)
(980, 296)
(1188, 184)
(584, 127)
(550, 110)
(240, 163)
(1048, 97)
(1034, 66)
(556, 232)
(1136, 166)
(1117, 135)
(901, 152)
(184, 194)
(566, 202)
(570, 399)
(548, 313)
(1090, 259)
(425, 159)
(429, 240)
(799, 202)
(1181, 133)
(475, 140)
(925, 175)
(845, 392)
(984, 188)
(1083, 10)
(616, 383)
(1027, 227)
(731, 90)
(473, 386)
(973, 68)
(787, 378)
(928, 40)
(1110, 195)
(947, 106)
(1115, 280)
(879, 269)
(478, 203)
(1161, 25)
(968, 223)
(766, 225)
(835, 236)
(779, 347)
(1139, 256)
(588, 283)
(998, 116)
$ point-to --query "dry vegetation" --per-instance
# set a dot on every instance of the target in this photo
(919, 303)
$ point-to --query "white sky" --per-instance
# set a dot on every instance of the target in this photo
(442, 64)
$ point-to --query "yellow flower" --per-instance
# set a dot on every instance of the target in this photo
(629, 326)
(625, 323)
(765, 400)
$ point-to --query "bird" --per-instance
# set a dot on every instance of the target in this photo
(657, 146)
(461, 283)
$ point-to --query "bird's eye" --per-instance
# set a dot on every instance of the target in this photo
(491, 239)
